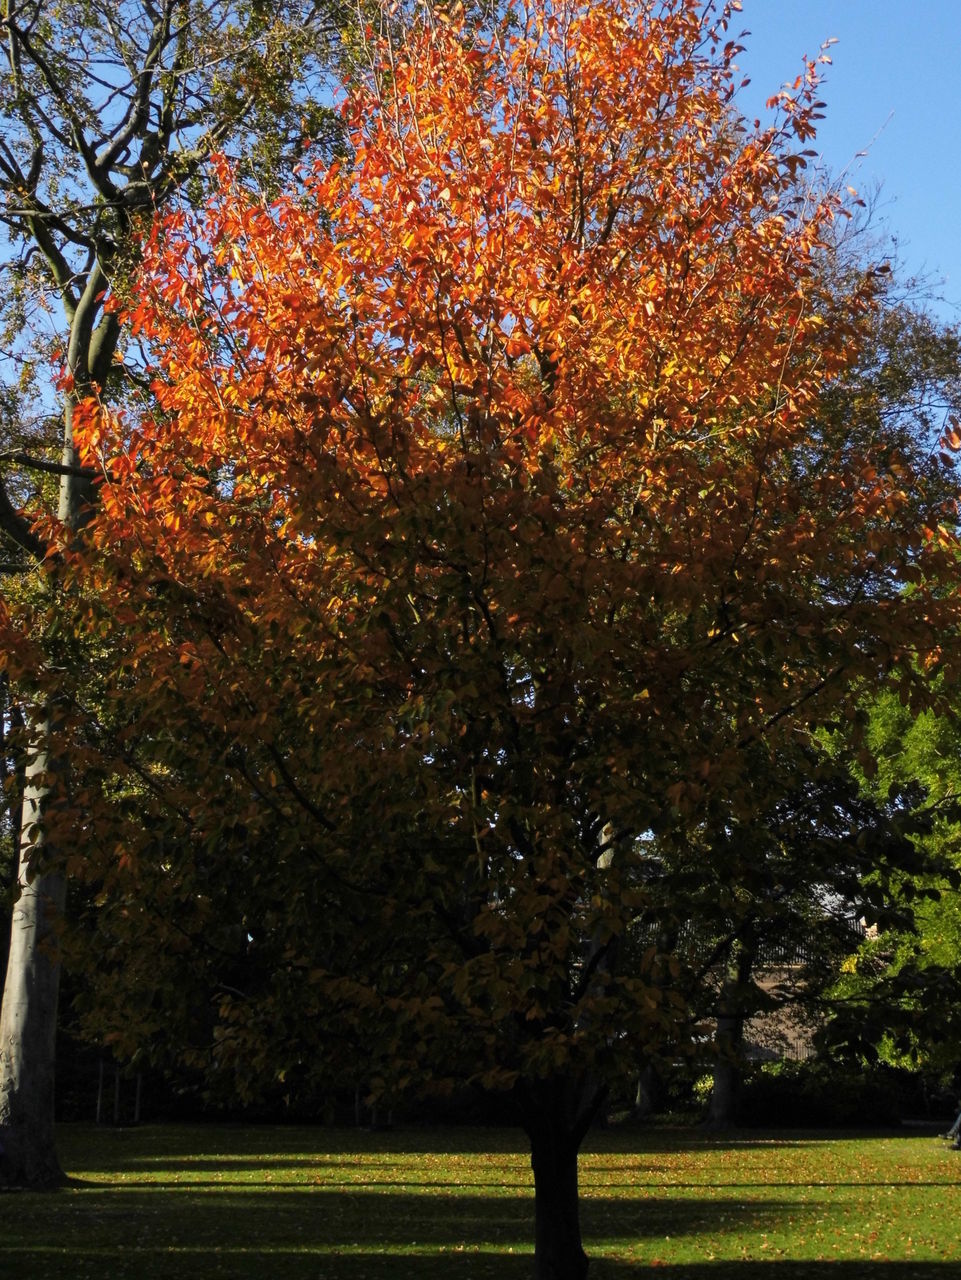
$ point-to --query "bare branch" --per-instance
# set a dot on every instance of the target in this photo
(52, 468)
(13, 524)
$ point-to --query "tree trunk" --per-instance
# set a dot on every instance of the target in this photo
(729, 1038)
(28, 1020)
(556, 1114)
(649, 1093)
(558, 1253)
(726, 1086)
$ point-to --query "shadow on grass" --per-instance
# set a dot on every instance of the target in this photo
(299, 1233)
(257, 1218)
(467, 1266)
(153, 1231)
(278, 1203)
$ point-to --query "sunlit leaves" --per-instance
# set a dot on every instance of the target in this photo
(485, 511)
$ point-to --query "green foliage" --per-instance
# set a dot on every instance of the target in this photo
(900, 996)
(820, 1094)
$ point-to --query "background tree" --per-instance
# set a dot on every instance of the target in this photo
(467, 547)
(107, 114)
(902, 987)
(902, 391)
(899, 997)
(778, 881)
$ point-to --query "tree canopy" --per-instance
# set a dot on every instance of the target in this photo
(481, 530)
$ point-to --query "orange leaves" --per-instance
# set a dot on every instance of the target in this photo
(491, 495)
(520, 400)
(951, 436)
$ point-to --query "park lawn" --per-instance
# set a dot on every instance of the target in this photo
(334, 1204)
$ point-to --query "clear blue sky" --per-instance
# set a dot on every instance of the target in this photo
(893, 90)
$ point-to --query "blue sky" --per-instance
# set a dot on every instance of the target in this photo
(893, 90)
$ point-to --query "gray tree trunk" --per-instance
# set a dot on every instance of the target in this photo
(28, 1014)
(28, 1019)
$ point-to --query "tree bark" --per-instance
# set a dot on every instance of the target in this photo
(649, 1093)
(556, 1114)
(28, 1014)
(50, 111)
(726, 1085)
(28, 1019)
(729, 1039)
(558, 1252)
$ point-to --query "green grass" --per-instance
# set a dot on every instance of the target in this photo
(221, 1201)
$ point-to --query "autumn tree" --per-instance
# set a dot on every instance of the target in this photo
(467, 547)
(108, 113)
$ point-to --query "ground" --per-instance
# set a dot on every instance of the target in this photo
(456, 1204)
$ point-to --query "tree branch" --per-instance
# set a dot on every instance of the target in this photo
(13, 524)
(52, 468)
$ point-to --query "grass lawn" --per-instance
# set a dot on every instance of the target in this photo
(197, 1201)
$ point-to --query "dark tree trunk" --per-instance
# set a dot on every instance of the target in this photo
(558, 1252)
(650, 1093)
(556, 1115)
(724, 1107)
